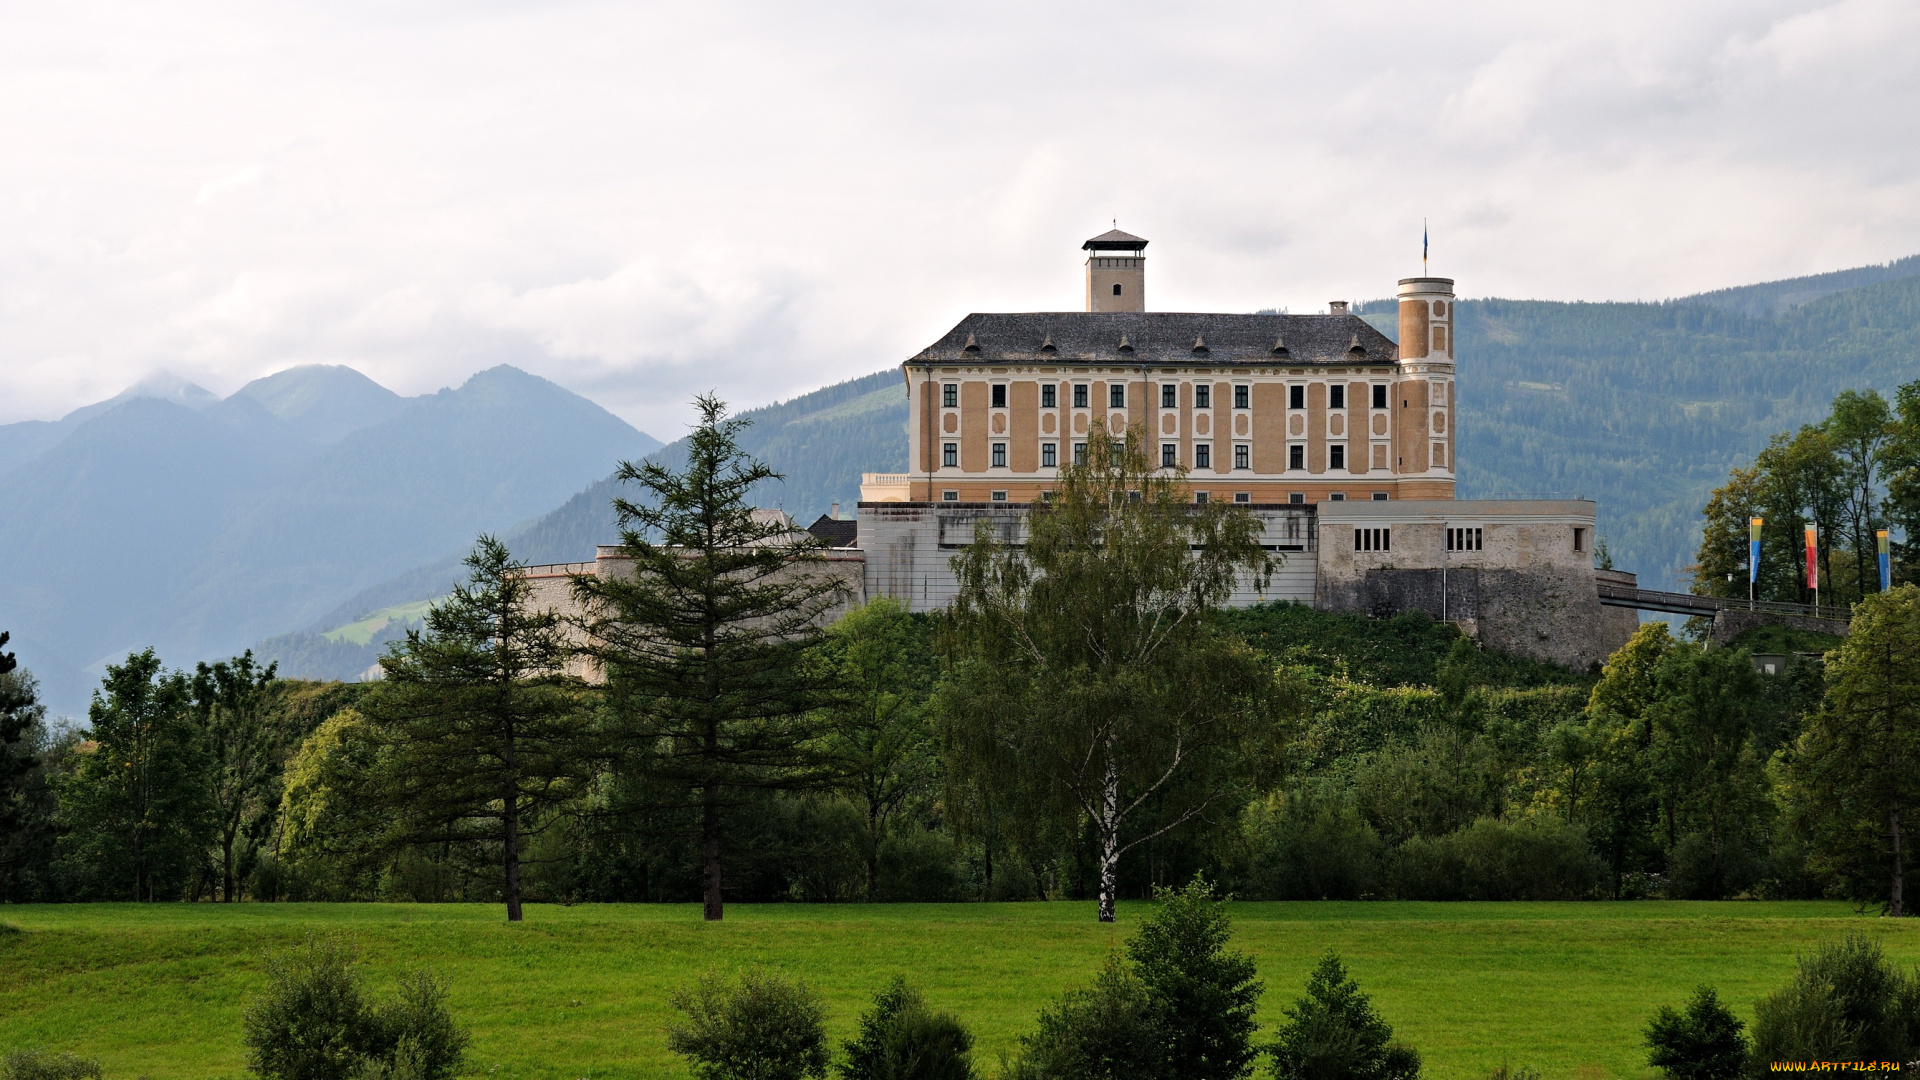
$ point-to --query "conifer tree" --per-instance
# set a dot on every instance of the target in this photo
(485, 732)
(704, 645)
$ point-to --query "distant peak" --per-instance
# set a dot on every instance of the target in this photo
(160, 386)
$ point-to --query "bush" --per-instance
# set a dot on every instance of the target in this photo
(918, 866)
(762, 1028)
(1205, 995)
(901, 1040)
(1309, 844)
(1702, 1043)
(1333, 1033)
(44, 1065)
(315, 1023)
(1844, 1003)
(1108, 1031)
(1695, 873)
(1499, 860)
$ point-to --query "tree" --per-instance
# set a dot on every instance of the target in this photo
(1702, 717)
(233, 704)
(25, 802)
(1702, 1043)
(1858, 762)
(135, 806)
(1334, 1033)
(761, 1028)
(704, 645)
(1860, 428)
(1902, 470)
(486, 731)
(1086, 657)
(1205, 995)
(877, 732)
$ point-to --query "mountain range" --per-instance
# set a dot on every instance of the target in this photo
(311, 514)
(173, 518)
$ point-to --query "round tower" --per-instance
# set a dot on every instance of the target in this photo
(1426, 319)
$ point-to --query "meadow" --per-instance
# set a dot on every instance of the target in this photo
(158, 990)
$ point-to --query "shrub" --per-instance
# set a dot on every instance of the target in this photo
(918, 866)
(45, 1065)
(315, 1023)
(1508, 1072)
(1108, 1031)
(1702, 1043)
(1500, 860)
(1333, 1033)
(761, 1028)
(1205, 995)
(1310, 844)
(1844, 1003)
(900, 1039)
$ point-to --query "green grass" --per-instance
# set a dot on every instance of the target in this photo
(158, 990)
(361, 631)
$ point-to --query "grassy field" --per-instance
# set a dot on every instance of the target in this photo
(157, 991)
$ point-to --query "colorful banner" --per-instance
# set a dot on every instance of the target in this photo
(1753, 550)
(1886, 562)
(1813, 573)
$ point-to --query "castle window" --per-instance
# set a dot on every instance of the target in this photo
(949, 496)
(950, 455)
(1464, 539)
(1296, 457)
(1296, 397)
(999, 395)
(1049, 455)
(1336, 457)
(998, 496)
(950, 396)
(1296, 498)
(1379, 496)
(1338, 496)
(1242, 497)
(1169, 396)
(999, 455)
(1380, 397)
(1240, 456)
(1080, 396)
(1202, 456)
(1336, 396)
(1169, 455)
(1048, 396)
(1117, 396)
(1579, 539)
(1203, 396)
(1200, 497)
(1116, 288)
(1079, 453)
(1240, 396)
(1373, 539)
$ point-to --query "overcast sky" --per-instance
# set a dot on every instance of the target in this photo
(641, 201)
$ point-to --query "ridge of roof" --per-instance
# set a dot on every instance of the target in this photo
(1160, 337)
(1113, 238)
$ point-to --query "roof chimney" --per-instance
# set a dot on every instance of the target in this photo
(1336, 307)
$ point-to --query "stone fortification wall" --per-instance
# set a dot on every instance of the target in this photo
(1730, 624)
(1518, 576)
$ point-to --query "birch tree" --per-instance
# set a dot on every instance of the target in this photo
(1084, 659)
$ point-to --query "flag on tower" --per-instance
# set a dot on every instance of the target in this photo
(1423, 245)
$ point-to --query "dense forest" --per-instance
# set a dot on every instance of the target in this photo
(1086, 721)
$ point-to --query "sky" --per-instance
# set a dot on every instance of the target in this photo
(644, 201)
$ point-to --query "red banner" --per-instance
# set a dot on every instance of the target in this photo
(1813, 574)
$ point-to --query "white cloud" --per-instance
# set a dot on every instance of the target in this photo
(645, 200)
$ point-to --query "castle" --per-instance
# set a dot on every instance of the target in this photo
(1340, 442)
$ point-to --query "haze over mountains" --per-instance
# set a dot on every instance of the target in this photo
(170, 517)
(314, 498)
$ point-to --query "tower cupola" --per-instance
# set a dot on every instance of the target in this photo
(1426, 319)
(1116, 272)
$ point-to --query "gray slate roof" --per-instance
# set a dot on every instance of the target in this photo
(1113, 239)
(1156, 337)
